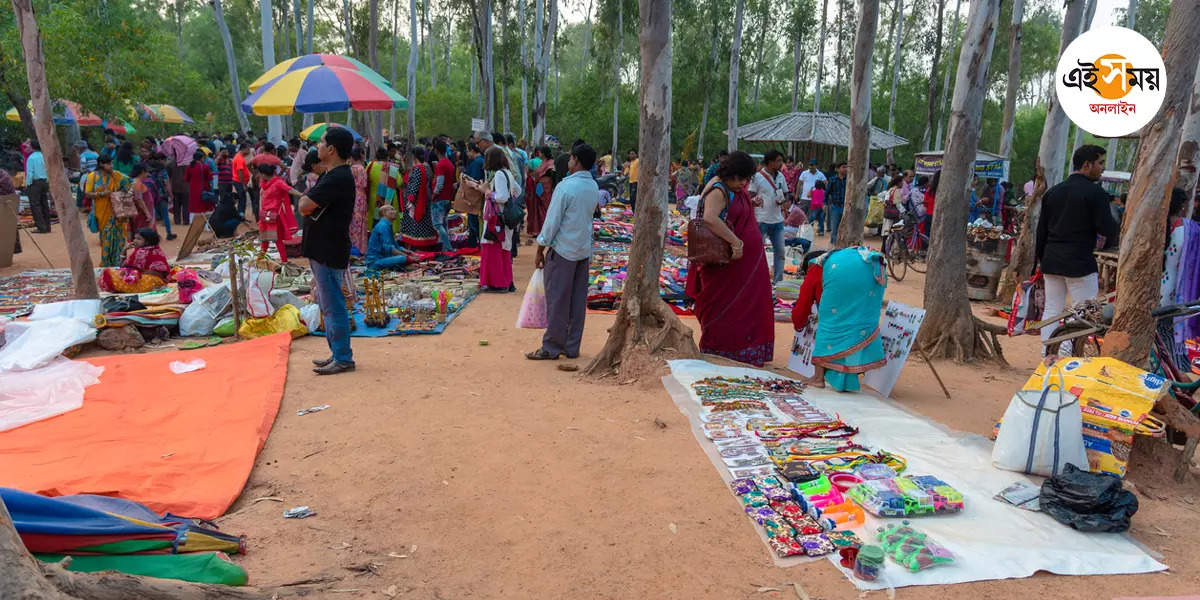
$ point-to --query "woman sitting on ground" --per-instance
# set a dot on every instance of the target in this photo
(847, 341)
(144, 270)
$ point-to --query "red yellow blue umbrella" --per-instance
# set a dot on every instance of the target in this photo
(314, 60)
(317, 131)
(322, 89)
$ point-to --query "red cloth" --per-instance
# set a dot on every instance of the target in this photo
(734, 302)
(148, 197)
(444, 169)
(536, 204)
(241, 174)
(275, 198)
(418, 203)
(929, 201)
(199, 179)
(148, 259)
(810, 293)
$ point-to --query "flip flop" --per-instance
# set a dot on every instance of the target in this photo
(541, 354)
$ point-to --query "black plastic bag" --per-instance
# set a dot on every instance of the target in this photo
(114, 304)
(1088, 501)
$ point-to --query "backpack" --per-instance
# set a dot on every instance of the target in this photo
(513, 212)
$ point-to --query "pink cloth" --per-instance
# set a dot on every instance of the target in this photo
(817, 199)
(495, 266)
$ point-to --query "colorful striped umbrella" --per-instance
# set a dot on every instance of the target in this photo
(120, 126)
(317, 131)
(323, 89)
(72, 113)
(163, 112)
(313, 60)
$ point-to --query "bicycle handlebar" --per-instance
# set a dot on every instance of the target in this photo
(1176, 310)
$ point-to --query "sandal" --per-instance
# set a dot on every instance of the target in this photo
(541, 354)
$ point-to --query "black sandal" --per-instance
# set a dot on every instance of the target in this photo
(541, 354)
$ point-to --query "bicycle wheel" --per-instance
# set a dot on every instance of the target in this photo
(897, 257)
(917, 258)
(1083, 346)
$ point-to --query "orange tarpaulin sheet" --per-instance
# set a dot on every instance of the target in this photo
(183, 444)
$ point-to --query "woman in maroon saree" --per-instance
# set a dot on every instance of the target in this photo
(539, 188)
(734, 302)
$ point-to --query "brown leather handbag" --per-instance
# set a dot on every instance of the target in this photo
(467, 200)
(705, 247)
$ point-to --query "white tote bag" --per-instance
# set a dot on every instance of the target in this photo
(1042, 431)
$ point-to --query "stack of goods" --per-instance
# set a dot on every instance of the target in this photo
(787, 291)
(425, 298)
(983, 230)
(617, 211)
(612, 231)
(799, 472)
(21, 292)
(606, 277)
(911, 548)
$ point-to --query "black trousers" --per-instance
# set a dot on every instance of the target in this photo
(566, 303)
(39, 203)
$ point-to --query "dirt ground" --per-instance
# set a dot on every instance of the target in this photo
(447, 469)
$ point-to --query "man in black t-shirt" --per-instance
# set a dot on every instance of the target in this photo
(328, 207)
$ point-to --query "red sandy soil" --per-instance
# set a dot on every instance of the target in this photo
(454, 470)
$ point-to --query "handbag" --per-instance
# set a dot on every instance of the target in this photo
(891, 212)
(703, 245)
(513, 212)
(467, 200)
(267, 231)
(123, 206)
(1041, 433)
(1027, 304)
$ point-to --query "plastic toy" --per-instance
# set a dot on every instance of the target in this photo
(911, 548)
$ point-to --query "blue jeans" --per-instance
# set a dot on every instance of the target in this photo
(818, 216)
(835, 221)
(775, 231)
(164, 214)
(391, 262)
(473, 229)
(328, 283)
(438, 211)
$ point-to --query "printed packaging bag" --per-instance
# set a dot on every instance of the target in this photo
(533, 306)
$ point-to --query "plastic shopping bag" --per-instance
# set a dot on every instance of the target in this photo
(533, 307)
(1042, 430)
(287, 318)
(258, 286)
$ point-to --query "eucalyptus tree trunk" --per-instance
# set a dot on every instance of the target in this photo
(617, 77)
(1087, 24)
(83, 277)
(298, 27)
(489, 69)
(931, 108)
(645, 326)
(953, 332)
(1014, 79)
(762, 46)
(235, 87)
(539, 114)
(412, 73)
(179, 11)
(1189, 148)
(540, 44)
(898, 17)
(524, 69)
(430, 42)
(1048, 170)
(504, 77)
(837, 84)
(735, 60)
(820, 59)
(376, 119)
(1110, 158)
(396, 60)
(308, 49)
(797, 60)
(1140, 263)
(287, 32)
(274, 127)
(348, 34)
(942, 116)
(851, 231)
(587, 42)
(708, 76)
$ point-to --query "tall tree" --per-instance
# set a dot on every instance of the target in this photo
(430, 43)
(1089, 14)
(1140, 264)
(542, 48)
(820, 59)
(1110, 159)
(617, 52)
(763, 28)
(851, 231)
(735, 63)
(481, 16)
(1048, 168)
(708, 77)
(179, 11)
(373, 55)
(797, 58)
(396, 61)
(950, 330)
(1189, 148)
(837, 80)
(942, 117)
(348, 39)
(645, 326)
(298, 23)
(931, 105)
(412, 73)
(524, 70)
(235, 87)
(308, 49)
(898, 18)
(586, 57)
(1014, 78)
(83, 277)
(274, 127)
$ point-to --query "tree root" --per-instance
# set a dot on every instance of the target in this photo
(644, 332)
(983, 342)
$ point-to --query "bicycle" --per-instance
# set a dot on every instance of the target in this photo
(903, 248)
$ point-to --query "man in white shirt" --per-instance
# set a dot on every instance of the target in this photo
(810, 178)
(768, 189)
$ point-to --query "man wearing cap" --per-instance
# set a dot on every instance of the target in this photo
(810, 178)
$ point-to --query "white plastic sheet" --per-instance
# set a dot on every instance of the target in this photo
(990, 539)
(30, 396)
(84, 311)
(32, 344)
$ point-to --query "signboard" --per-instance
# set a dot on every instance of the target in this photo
(476, 125)
(928, 164)
(897, 332)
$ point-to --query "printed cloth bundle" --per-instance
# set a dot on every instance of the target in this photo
(791, 531)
